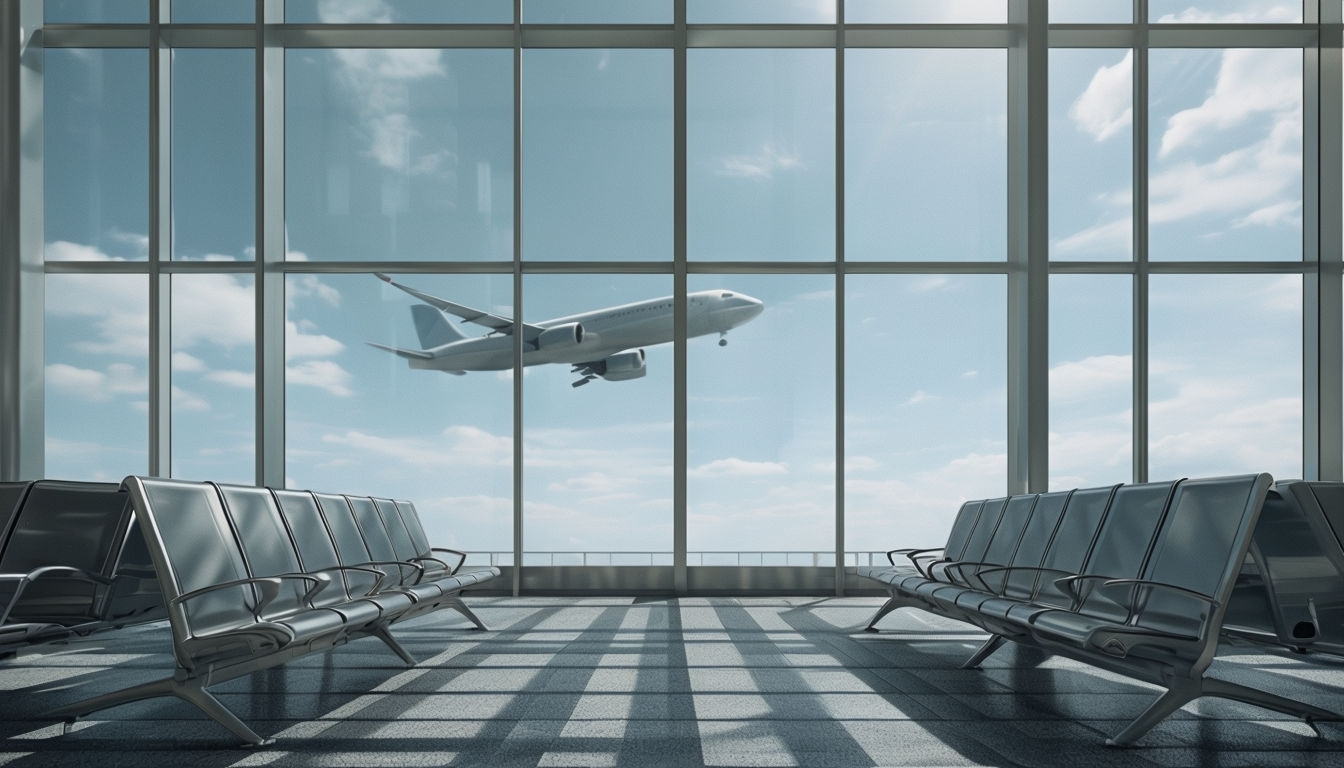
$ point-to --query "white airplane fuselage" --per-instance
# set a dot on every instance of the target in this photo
(603, 332)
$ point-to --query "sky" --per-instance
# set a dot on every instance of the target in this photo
(408, 156)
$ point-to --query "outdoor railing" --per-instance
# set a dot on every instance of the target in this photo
(745, 558)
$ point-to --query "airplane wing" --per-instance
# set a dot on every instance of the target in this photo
(418, 354)
(495, 323)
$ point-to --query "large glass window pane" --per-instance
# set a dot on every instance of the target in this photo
(96, 154)
(925, 155)
(356, 411)
(214, 156)
(1091, 380)
(1225, 11)
(97, 376)
(1225, 375)
(597, 11)
(761, 155)
(926, 11)
(1091, 151)
(399, 11)
(213, 11)
(1091, 11)
(597, 458)
(597, 155)
(213, 377)
(399, 154)
(96, 11)
(1225, 155)
(760, 424)
(925, 405)
(760, 11)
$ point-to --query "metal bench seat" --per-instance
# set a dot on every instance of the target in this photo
(1133, 579)
(253, 577)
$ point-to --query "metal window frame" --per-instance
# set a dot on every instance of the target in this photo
(1026, 36)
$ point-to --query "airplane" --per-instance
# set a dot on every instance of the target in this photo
(605, 343)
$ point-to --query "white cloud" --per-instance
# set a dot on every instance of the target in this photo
(185, 363)
(299, 343)
(96, 386)
(238, 379)
(218, 309)
(1105, 107)
(322, 374)
(764, 163)
(1080, 379)
(738, 468)
(188, 401)
(455, 446)
(63, 250)
(1249, 83)
(1284, 13)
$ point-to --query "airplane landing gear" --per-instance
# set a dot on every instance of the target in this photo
(723, 341)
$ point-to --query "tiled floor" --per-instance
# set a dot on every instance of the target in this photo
(653, 682)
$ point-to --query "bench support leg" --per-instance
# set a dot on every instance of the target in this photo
(1173, 699)
(1224, 689)
(382, 633)
(994, 643)
(892, 604)
(190, 690)
(456, 604)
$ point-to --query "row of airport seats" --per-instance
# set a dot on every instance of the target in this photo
(1131, 578)
(72, 562)
(247, 578)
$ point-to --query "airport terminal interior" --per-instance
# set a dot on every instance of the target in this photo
(642, 337)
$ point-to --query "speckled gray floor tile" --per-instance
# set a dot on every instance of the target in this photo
(623, 682)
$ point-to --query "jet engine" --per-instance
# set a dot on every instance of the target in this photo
(624, 366)
(561, 337)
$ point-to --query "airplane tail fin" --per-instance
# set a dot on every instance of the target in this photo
(433, 327)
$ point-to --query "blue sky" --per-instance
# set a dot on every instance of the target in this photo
(407, 156)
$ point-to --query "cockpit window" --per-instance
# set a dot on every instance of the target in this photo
(726, 295)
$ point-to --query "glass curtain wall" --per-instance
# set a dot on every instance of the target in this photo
(728, 292)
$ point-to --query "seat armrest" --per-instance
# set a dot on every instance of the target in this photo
(268, 586)
(22, 580)
(1148, 585)
(417, 570)
(461, 557)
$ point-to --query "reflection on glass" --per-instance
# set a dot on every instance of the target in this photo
(96, 154)
(399, 12)
(761, 149)
(400, 154)
(96, 11)
(214, 11)
(213, 377)
(761, 425)
(213, 148)
(597, 458)
(1225, 154)
(96, 376)
(1225, 375)
(925, 404)
(597, 149)
(926, 12)
(597, 11)
(1091, 380)
(1225, 11)
(925, 155)
(760, 11)
(1091, 151)
(355, 411)
(1091, 11)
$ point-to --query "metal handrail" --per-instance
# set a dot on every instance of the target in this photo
(743, 558)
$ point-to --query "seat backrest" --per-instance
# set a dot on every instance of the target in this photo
(1125, 541)
(1007, 536)
(411, 518)
(11, 498)
(371, 527)
(1069, 548)
(1019, 582)
(344, 530)
(76, 524)
(317, 550)
(962, 525)
(1201, 546)
(267, 548)
(977, 541)
(192, 544)
(397, 532)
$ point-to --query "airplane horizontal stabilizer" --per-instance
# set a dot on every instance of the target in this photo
(418, 354)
